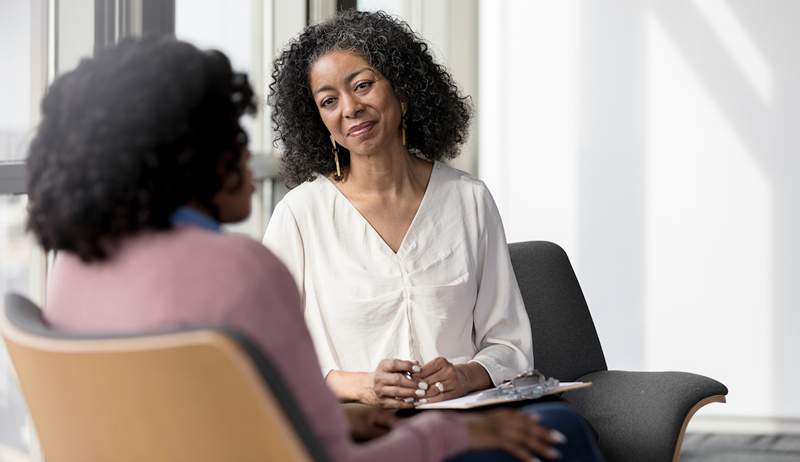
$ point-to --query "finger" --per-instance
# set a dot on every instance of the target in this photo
(443, 396)
(518, 429)
(433, 366)
(547, 434)
(517, 450)
(392, 403)
(400, 392)
(446, 381)
(394, 379)
(396, 365)
(542, 449)
(541, 440)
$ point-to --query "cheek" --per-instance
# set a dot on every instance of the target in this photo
(329, 120)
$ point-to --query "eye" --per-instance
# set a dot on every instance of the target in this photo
(327, 102)
(364, 84)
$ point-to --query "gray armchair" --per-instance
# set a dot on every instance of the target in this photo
(638, 415)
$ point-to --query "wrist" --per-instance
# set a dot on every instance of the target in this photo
(365, 392)
(347, 386)
(474, 376)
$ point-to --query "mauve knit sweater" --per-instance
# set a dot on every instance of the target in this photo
(189, 276)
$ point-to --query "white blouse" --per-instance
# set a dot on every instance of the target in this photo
(449, 290)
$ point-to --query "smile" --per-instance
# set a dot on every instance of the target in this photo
(360, 129)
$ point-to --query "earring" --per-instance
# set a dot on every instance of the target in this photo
(403, 108)
(338, 176)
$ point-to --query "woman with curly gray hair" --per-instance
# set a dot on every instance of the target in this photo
(401, 260)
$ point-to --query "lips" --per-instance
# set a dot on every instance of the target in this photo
(360, 129)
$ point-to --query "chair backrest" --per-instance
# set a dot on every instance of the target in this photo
(199, 394)
(565, 343)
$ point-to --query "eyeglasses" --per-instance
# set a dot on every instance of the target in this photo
(530, 384)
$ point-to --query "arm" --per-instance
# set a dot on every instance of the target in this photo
(284, 238)
(268, 311)
(368, 422)
(387, 387)
(350, 386)
(446, 380)
(502, 330)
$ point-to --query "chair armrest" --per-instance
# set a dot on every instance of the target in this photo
(643, 415)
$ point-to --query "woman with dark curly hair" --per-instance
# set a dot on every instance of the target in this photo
(402, 261)
(139, 158)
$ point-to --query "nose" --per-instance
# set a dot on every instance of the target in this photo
(351, 106)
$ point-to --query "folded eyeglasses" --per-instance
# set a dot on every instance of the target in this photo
(530, 384)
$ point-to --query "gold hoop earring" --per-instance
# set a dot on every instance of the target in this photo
(403, 108)
(338, 176)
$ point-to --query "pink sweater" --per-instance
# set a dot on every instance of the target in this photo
(194, 276)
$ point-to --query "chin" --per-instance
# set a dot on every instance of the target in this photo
(235, 216)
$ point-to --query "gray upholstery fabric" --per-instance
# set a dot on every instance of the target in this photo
(637, 415)
(26, 316)
(565, 343)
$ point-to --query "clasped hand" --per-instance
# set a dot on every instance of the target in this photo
(398, 383)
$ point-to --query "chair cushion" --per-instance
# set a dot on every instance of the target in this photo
(639, 415)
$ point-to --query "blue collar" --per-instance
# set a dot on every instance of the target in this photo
(190, 216)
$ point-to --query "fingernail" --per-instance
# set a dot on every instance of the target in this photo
(422, 385)
(416, 369)
(423, 401)
(558, 436)
(554, 453)
(420, 393)
(408, 400)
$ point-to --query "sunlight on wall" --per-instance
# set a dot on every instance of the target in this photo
(708, 233)
(737, 42)
(528, 117)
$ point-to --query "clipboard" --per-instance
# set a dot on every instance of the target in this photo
(496, 396)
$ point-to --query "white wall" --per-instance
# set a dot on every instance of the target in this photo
(657, 141)
(449, 27)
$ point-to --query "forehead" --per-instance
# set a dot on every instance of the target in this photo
(335, 67)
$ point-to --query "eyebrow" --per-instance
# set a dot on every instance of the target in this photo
(350, 77)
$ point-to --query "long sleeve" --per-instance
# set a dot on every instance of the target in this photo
(191, 276)
(284, 239)
(502, 329)
(268, 313)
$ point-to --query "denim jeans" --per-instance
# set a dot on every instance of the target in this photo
(580, 445)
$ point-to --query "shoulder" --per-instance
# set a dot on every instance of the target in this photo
(468, 187)
(230, 256)
(316, 191)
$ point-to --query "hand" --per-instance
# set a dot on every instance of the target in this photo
(390, 386)
(368, 422)
(513, 431)
(453, 381)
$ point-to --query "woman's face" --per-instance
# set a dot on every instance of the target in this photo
(233, 201)
(357, 104)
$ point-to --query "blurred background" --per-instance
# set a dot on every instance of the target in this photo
(657, 141)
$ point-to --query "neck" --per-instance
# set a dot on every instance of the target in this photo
(390, 172)
(197, 207)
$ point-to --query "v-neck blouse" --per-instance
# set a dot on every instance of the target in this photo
(449, 290)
